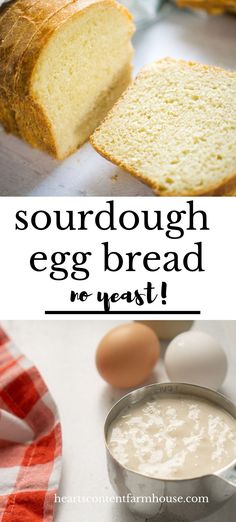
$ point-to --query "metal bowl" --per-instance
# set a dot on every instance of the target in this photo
(218, 486)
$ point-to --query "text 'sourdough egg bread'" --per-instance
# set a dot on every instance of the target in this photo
(175, 129)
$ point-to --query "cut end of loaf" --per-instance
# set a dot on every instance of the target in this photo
(71, 72)
(81, 73)
(174, 128)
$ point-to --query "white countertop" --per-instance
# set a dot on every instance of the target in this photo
(64, 353)
(179, 34)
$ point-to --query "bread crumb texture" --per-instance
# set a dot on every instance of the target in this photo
(56, 88)
(175, 129)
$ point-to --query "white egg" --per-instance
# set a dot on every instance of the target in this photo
(197, 358)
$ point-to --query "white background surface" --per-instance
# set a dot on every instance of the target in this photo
(64, 354)
(179, 34)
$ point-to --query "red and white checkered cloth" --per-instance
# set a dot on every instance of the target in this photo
(29, 473)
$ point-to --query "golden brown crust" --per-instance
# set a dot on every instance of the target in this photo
(231, 193)
(7, 12)
(8, 19)
(24, 19)
(228, 189)
(224, 185)
(7, 117)
(10, 31)
(38, 18)
(214, 7)
(35, 128)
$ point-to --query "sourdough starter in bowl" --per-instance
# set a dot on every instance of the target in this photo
(173, 437)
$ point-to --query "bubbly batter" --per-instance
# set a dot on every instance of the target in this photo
(173, 437)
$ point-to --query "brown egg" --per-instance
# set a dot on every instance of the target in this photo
(127, 355)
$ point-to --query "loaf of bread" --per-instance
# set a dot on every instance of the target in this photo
(175, 129)
(63, 64)
(211, 6)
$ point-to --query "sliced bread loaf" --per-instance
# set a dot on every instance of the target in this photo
(175, 128)
(17, 28)
(62, 79)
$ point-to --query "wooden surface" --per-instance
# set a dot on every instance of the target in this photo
(180, 34)
(64, 353)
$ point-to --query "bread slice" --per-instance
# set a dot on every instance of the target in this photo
(175, 128)
(20, 23)
(60, 86)
(17, 28)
